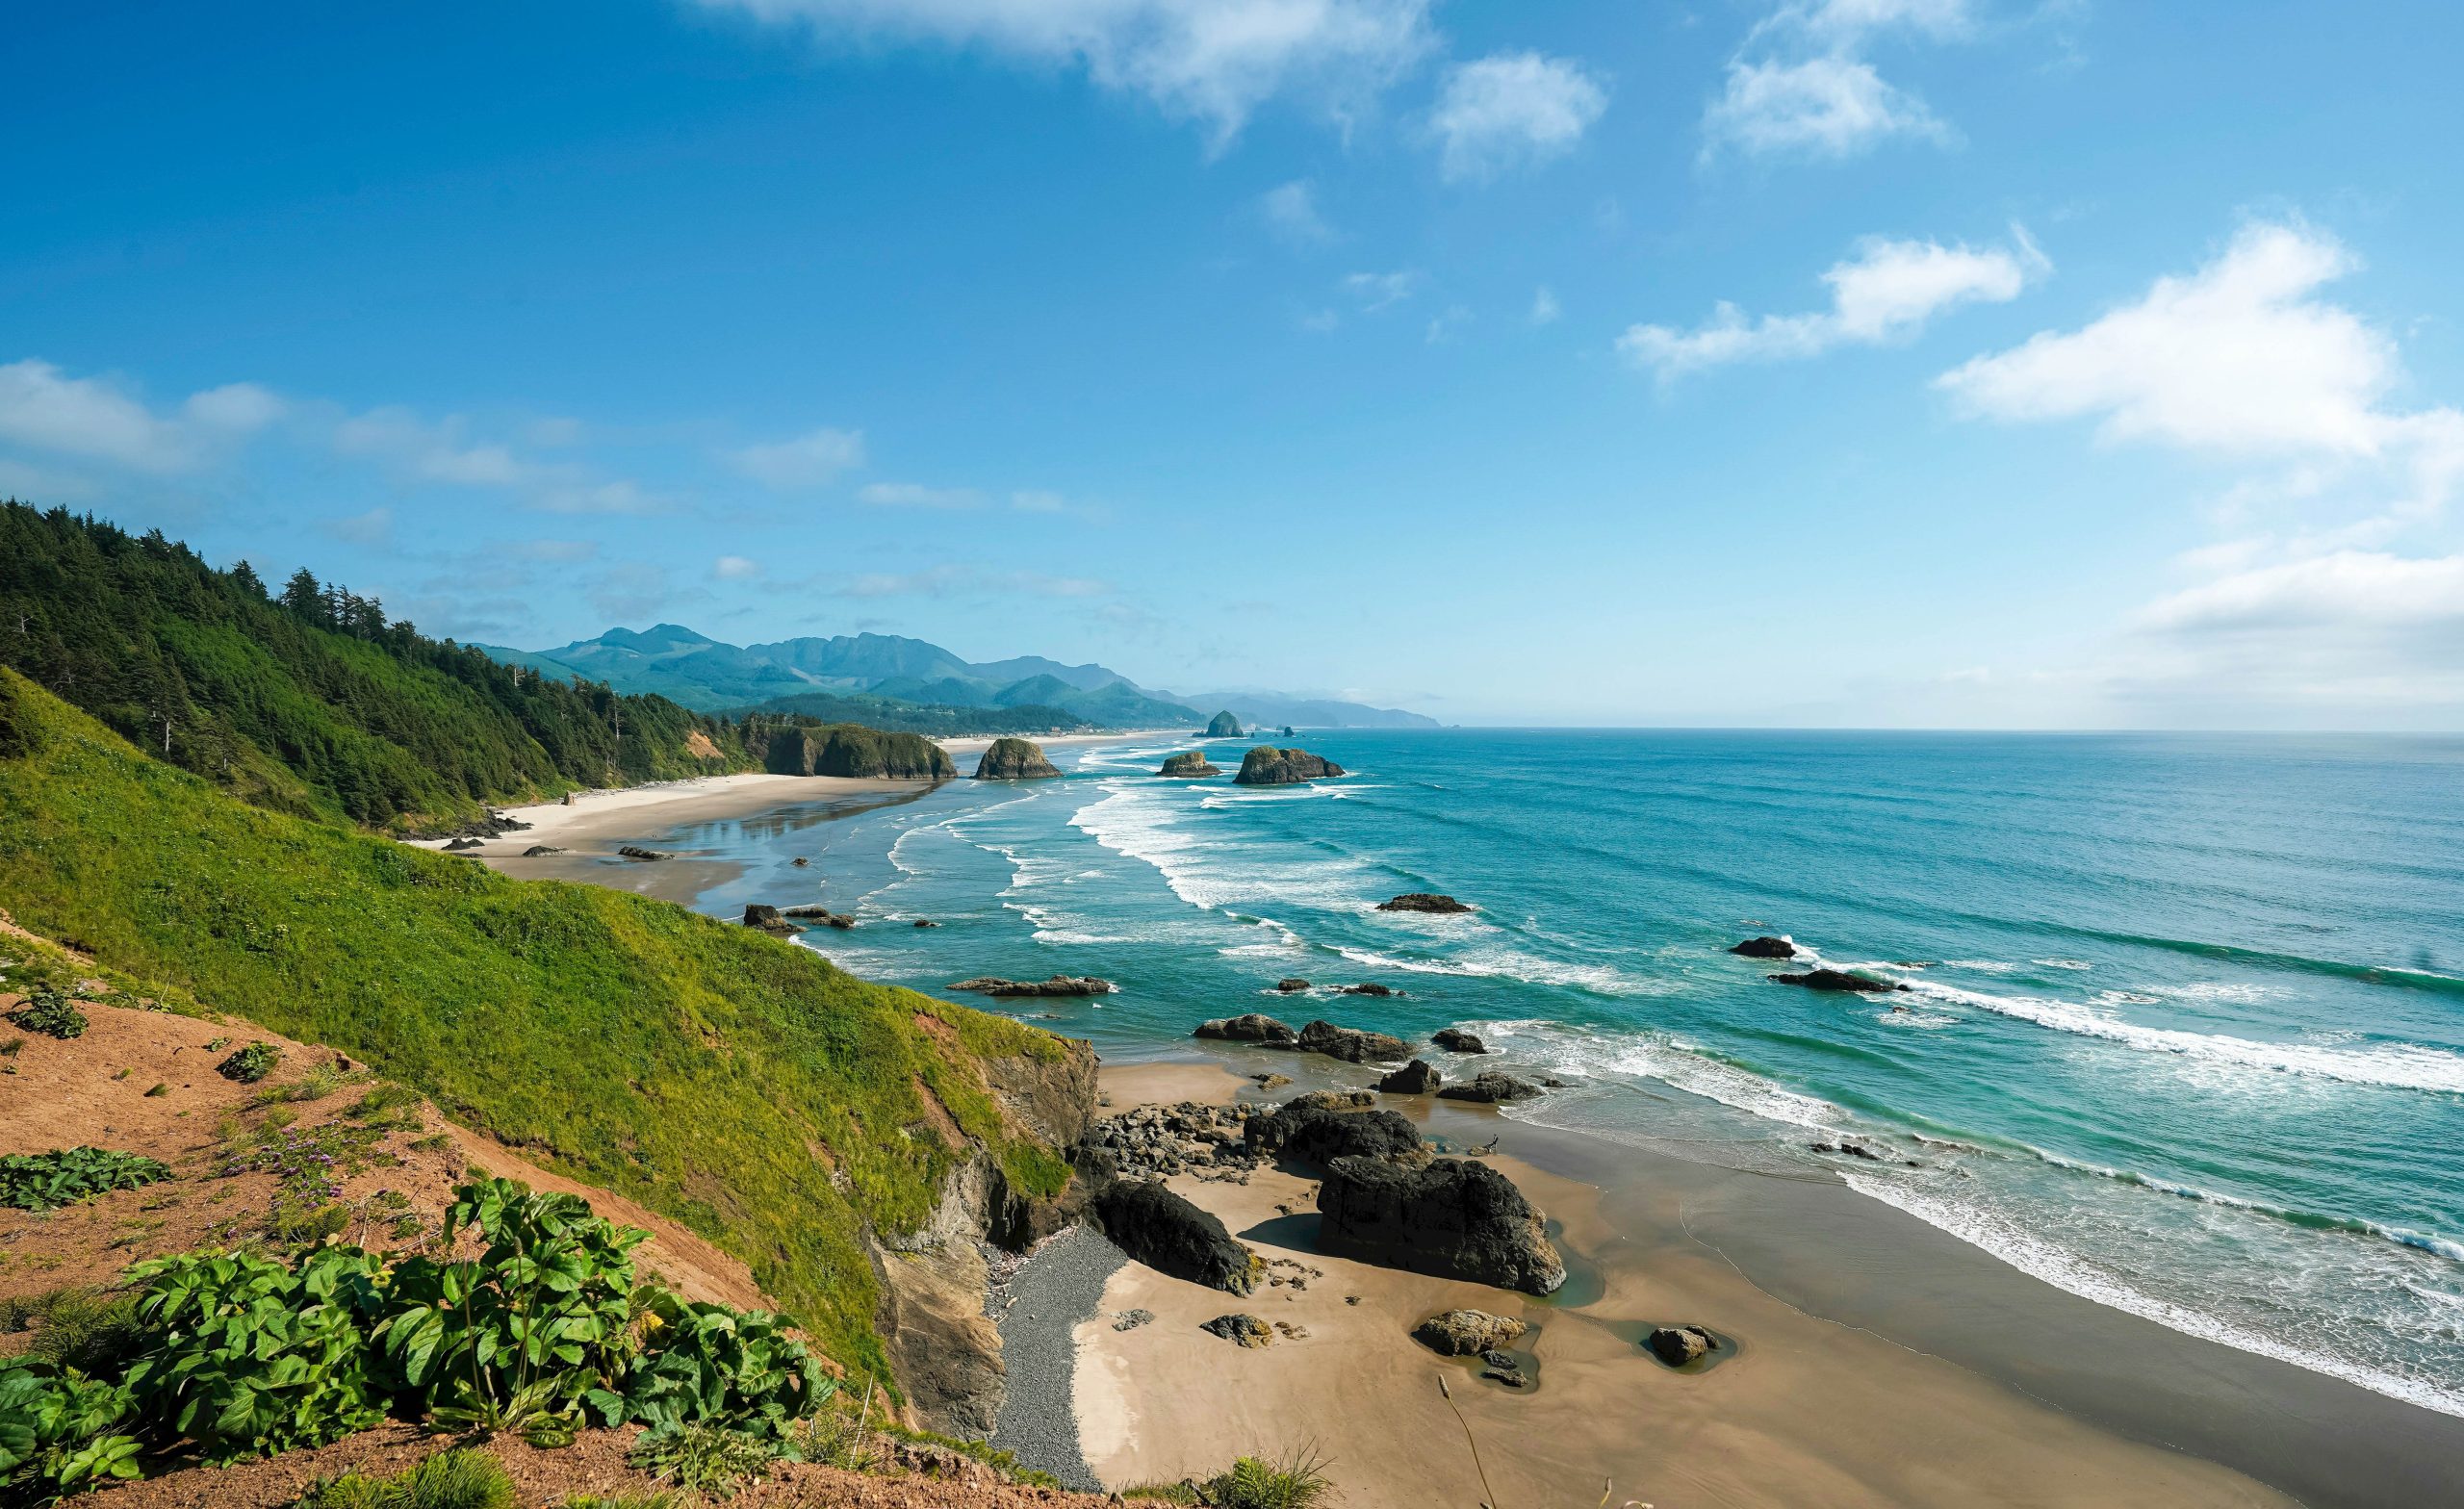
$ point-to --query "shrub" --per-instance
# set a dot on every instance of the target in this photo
(717, 1364)
(61, 1431)
(465, 1478)
(1296, 1480)
(46, 1181)
(50, 1012)
(702, 1459)
(251, 1064)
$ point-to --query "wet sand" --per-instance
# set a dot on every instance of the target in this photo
(1878, 1362)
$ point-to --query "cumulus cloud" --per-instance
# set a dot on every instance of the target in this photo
(1885, 293)
(1545, 308)
(810, 460)
(915, 495)
(1291, 212)
(736, 568)
(1213, 61)
(1802, 83)
(1376, 290)
(440, 450)
(43, 408)
(1511, 108)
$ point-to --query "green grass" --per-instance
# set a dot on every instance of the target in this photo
(739, 1085)
(459, 1478)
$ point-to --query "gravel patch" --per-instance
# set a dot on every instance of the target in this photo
(1037, 1304)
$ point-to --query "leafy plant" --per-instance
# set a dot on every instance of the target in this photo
(253, 1357)
(702, 1459)
(61, 1431)
(251, 1064)
(50, 1012)
(464, 1477)
(712, 1362)
(46, 1181)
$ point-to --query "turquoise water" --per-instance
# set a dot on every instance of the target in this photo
(2187, 1027)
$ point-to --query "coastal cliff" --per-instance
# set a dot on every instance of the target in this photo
(846, 749)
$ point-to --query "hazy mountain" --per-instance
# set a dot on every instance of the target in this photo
(710, 676)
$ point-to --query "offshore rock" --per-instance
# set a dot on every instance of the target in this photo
(1056, 986)
(1766, 947)
(1491, 1089)
(1223, 726)
(1250, 1027)
(1268, 766)
(757, 914)
(1455, 1039)
(1188, 764)
(1351, 1044)
(1836, 980)
(1014, 759)
(1369, 987)
(1291, 984)
(1452, 1218)
(1424, 901)
(1415, 1078)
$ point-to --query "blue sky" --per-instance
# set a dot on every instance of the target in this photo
(1965, 362)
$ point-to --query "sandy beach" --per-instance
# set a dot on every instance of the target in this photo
(1808, 1410)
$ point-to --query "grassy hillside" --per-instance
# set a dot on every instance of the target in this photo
(742, 1086)
(311, 700)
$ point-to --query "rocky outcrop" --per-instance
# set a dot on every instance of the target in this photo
(1467, 1333)
(1452, 1218)
(1351, 1044)
(1837, 980)
(1056, 986)
(1250, 1027)
(926, 922)
(1187, 765)
(1159, 1141)
(1172, 1235)
(1766, 947)
(1242, 1330)
(1291, 984)
(1679, 1344)
(1014, 759)
(1223, 726)
(1321, 1135)
(847, 749)
(459, 845)
(1491, 1089)
(540, 851)
(637, 852)
(1424, 901)
(1334, 1100)
(1369, 987)
(1415, 1078)
(758, 915)
(1455, 1039)
(1268, 766)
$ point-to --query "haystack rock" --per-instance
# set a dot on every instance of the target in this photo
(1014, 759)
(1224, 726)
(1188, 764)
(1268, 766)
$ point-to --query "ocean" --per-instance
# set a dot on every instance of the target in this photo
(2185, 1031)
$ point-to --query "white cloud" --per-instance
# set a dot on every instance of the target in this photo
(1825, 107)
(438, 452)
(373, 528)
(1802, 83)
(813, 459)
(736, 568)
(2345, 588)
(1510, 109)
(1887, 292)
(1290, 211)
(1442, 329)
(1376, 290)
(1208, 60)
(45, 409)
(1545, 308)
(915, 495)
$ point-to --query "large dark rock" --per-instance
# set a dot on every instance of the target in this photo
(757, 914)
(1014, 759)
(1679, 1344)
(1424, 901)
(1452, 1218)
(1415, 1078)
(1268, 766)
(637, 852)
(1291, 984)
(1467, 1333)
(1491, 1089)
(1223, 726)
(1766, 947)
(1351, 1044)
(1058, 984)
(1250, 1027)
(1188, 765)
(1321, 1135)
(1240, 1329)
(1836, 980)
(847, 749)
(823, 916)
(1172, 1235)
(1455, 1039)
(1368, 988)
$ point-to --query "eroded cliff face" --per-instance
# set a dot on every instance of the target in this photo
(945, 1350)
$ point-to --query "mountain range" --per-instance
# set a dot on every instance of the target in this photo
(708, 675)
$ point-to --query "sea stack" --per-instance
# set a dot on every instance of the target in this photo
(1223, 726)
(1188, 765)
(1013, 759)
(1268, 766)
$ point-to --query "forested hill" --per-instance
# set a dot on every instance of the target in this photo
(310, 701)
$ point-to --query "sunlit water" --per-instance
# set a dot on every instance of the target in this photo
(2187, 1027)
